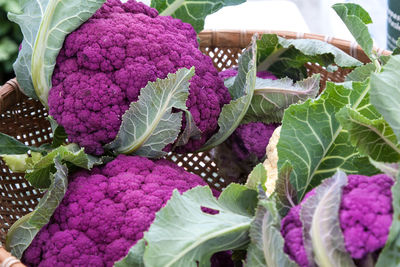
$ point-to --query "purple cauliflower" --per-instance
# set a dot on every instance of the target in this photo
(104, 64)
(243, 150)
(365, 217)
(106, 211)
(251, 139)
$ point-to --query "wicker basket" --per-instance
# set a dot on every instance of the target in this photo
(24, 119)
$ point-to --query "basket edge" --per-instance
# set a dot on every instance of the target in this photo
(225, 38)
(10, 93)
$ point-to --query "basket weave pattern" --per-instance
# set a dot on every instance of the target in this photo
(24, 119)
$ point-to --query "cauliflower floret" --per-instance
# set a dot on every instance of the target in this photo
(106, 211)
(105, 63)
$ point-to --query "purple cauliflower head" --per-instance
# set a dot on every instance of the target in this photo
(104, 64)
(365, 217)
(251, 139)
(106, 211)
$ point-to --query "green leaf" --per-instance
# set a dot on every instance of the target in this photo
(16, 163)
(183, 235)
(242, 92)
(385, 93)
(149, 124)
(373, 138)
(362, 73)
(313, 141)
(390, 255)
(390, 169)
(11, 146)
(266, 247)
(134, 257)
(190, 131)
(323, 237)
(257, 176)
(39, 171)
(287, 58)
(286, 193)
(45, 24)
(356, 18)
(22, 233)
(272, 97)
(59, 134)
(191, 11)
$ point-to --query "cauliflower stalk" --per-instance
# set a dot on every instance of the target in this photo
(271, 162)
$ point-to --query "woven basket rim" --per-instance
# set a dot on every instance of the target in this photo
(224, 38)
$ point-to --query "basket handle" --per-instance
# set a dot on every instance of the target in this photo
(4, 255)
(10, 94)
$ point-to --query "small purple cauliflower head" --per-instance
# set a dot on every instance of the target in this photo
(104, 64)
(292, 232)
(106, 211)
(365, 217)
(366, 213)
(251, 139)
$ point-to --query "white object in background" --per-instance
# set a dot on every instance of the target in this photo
(259, 15)
(322, 19)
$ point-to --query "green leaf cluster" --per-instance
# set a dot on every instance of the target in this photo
(192, 11)
(288, 57)
(22, 233)
(10, 38)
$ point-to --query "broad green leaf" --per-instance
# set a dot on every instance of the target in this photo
(183, 235)
(242, 92)
(39, 171)
(323, 238)
(191, 11)
(385, 93)
(287, 58)
(390, 169)
(190, 131)
(16, 163)
(285, 193)
(59, 134)
(266, 247)
(11, 146)
(373, 138)
(313, 141)
(272, 97)
(45, 24)
(22, 233)
(149, 125)
(390, 255)
(257, 176)
(356, 20)
(362, 73)
(134, 257)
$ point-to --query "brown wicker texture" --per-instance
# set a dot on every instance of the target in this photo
(24, 119)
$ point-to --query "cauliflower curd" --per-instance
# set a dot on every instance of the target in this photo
(105, 63)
